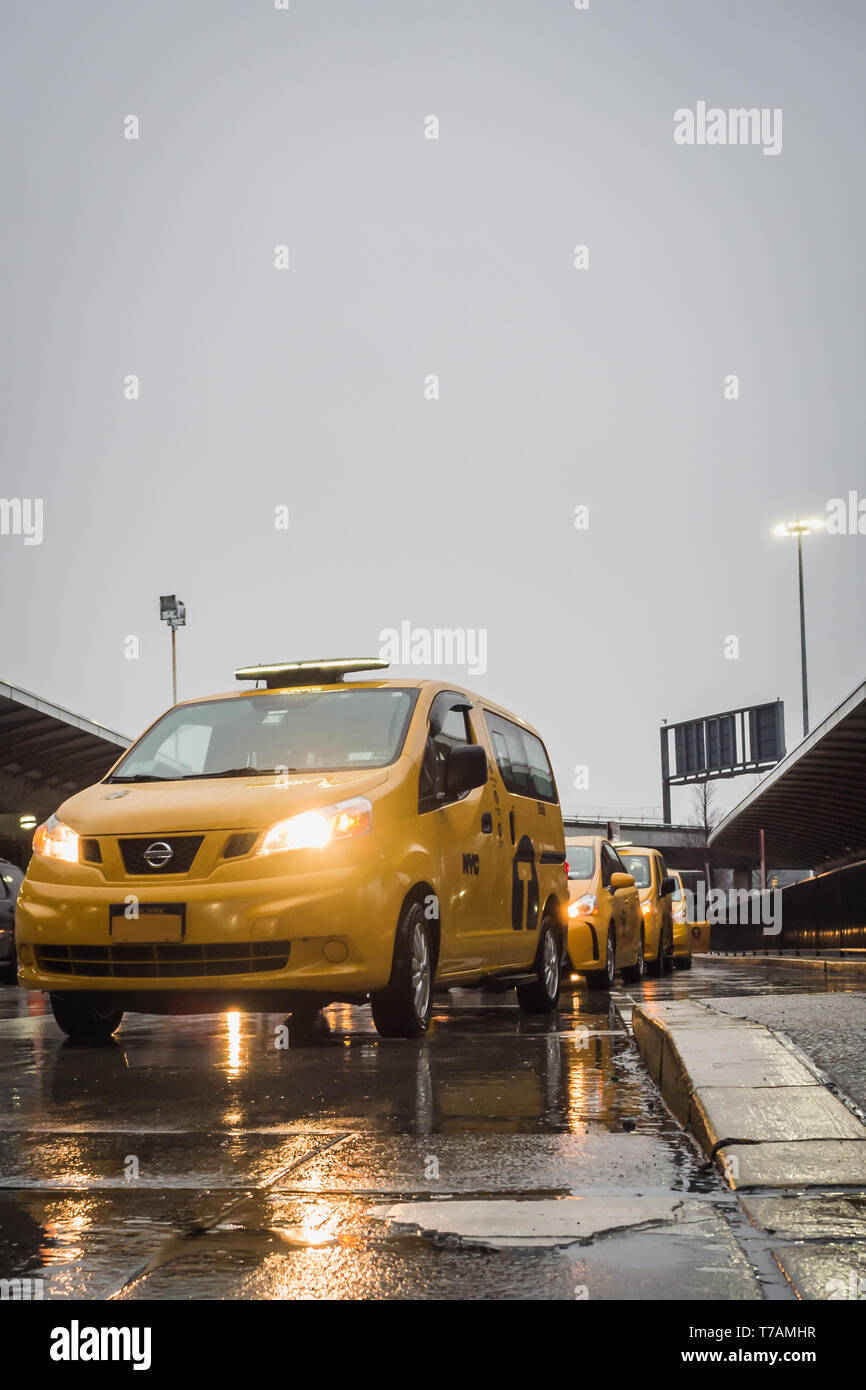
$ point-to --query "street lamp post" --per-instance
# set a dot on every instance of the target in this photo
(800, 529)
(173, 612)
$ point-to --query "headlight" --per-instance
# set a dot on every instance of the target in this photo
(646, 906)
(54, 840)
(680, 913)
(581, 907)
(315, 829)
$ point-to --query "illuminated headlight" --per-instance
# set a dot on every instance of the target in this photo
(582, 907)
(646, 906)
(315, 829)
(54, 840)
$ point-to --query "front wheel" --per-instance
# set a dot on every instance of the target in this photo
(541, 995)
(404, 1008)
(84, 1018)
(603, 979)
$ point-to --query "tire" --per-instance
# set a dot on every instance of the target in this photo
(668, 960)
(683, 962)
(541, 996)
(603, 979)
(404, 1008)
(633, 974)
(656, 965)
(85, 1017)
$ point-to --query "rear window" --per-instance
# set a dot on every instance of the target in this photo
(638, 866)
(521, 758)
(581, 861)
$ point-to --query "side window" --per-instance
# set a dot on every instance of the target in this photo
(449, 727)
(539, 767)
(521, 759)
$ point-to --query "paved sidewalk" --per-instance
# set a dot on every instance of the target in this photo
(791, 1150)
(829, 1028)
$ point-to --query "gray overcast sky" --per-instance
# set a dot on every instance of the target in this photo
(409, 257)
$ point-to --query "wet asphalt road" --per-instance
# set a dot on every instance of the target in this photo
(195, 1158)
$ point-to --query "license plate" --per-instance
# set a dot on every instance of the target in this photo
(155, 923)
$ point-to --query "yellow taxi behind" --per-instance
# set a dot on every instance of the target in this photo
(605, 926)
(655, 887)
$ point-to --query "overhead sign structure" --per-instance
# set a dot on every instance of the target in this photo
(750, 739)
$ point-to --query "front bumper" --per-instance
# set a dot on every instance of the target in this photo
(323, 930)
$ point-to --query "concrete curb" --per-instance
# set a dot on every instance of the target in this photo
(829, 965)
(757, 1110)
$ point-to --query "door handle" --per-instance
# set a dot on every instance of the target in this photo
(487, 824)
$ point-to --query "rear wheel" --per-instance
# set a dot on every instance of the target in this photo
(633, 974)
(541, 996)
(83, 1017)
(603, 979)
(404, 1008)
(683, 962)
(668, 959)
(657, 964)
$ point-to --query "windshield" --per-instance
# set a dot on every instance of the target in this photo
(581, 860)
(280, 731)
(638, 866)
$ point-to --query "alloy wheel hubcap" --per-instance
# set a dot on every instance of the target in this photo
(550, 965)
(420, 971)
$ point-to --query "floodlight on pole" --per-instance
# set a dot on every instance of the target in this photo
(800, 528)
(172, 611)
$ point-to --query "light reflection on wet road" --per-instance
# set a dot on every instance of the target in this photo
(196, 1158)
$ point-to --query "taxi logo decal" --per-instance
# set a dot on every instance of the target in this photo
(524, 887)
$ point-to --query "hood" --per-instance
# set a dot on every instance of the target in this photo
(226, 803)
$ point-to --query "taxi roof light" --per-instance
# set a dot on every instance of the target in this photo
(323, 671)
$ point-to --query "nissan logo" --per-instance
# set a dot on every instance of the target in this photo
(157, 855)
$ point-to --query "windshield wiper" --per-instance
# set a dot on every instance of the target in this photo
(238, 772)
(140, 777)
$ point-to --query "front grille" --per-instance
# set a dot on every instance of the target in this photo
(90, 852)
(240, 843)
(183, 851)
(164, 960)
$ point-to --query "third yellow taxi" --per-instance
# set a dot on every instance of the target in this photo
(605, 930)
(655, 886)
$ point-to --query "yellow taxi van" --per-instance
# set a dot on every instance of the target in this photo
(655, 887)
(605, 925)
(314, 838)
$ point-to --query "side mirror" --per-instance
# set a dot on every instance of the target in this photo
(668, 885)
(465, 769)
(621, 881)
